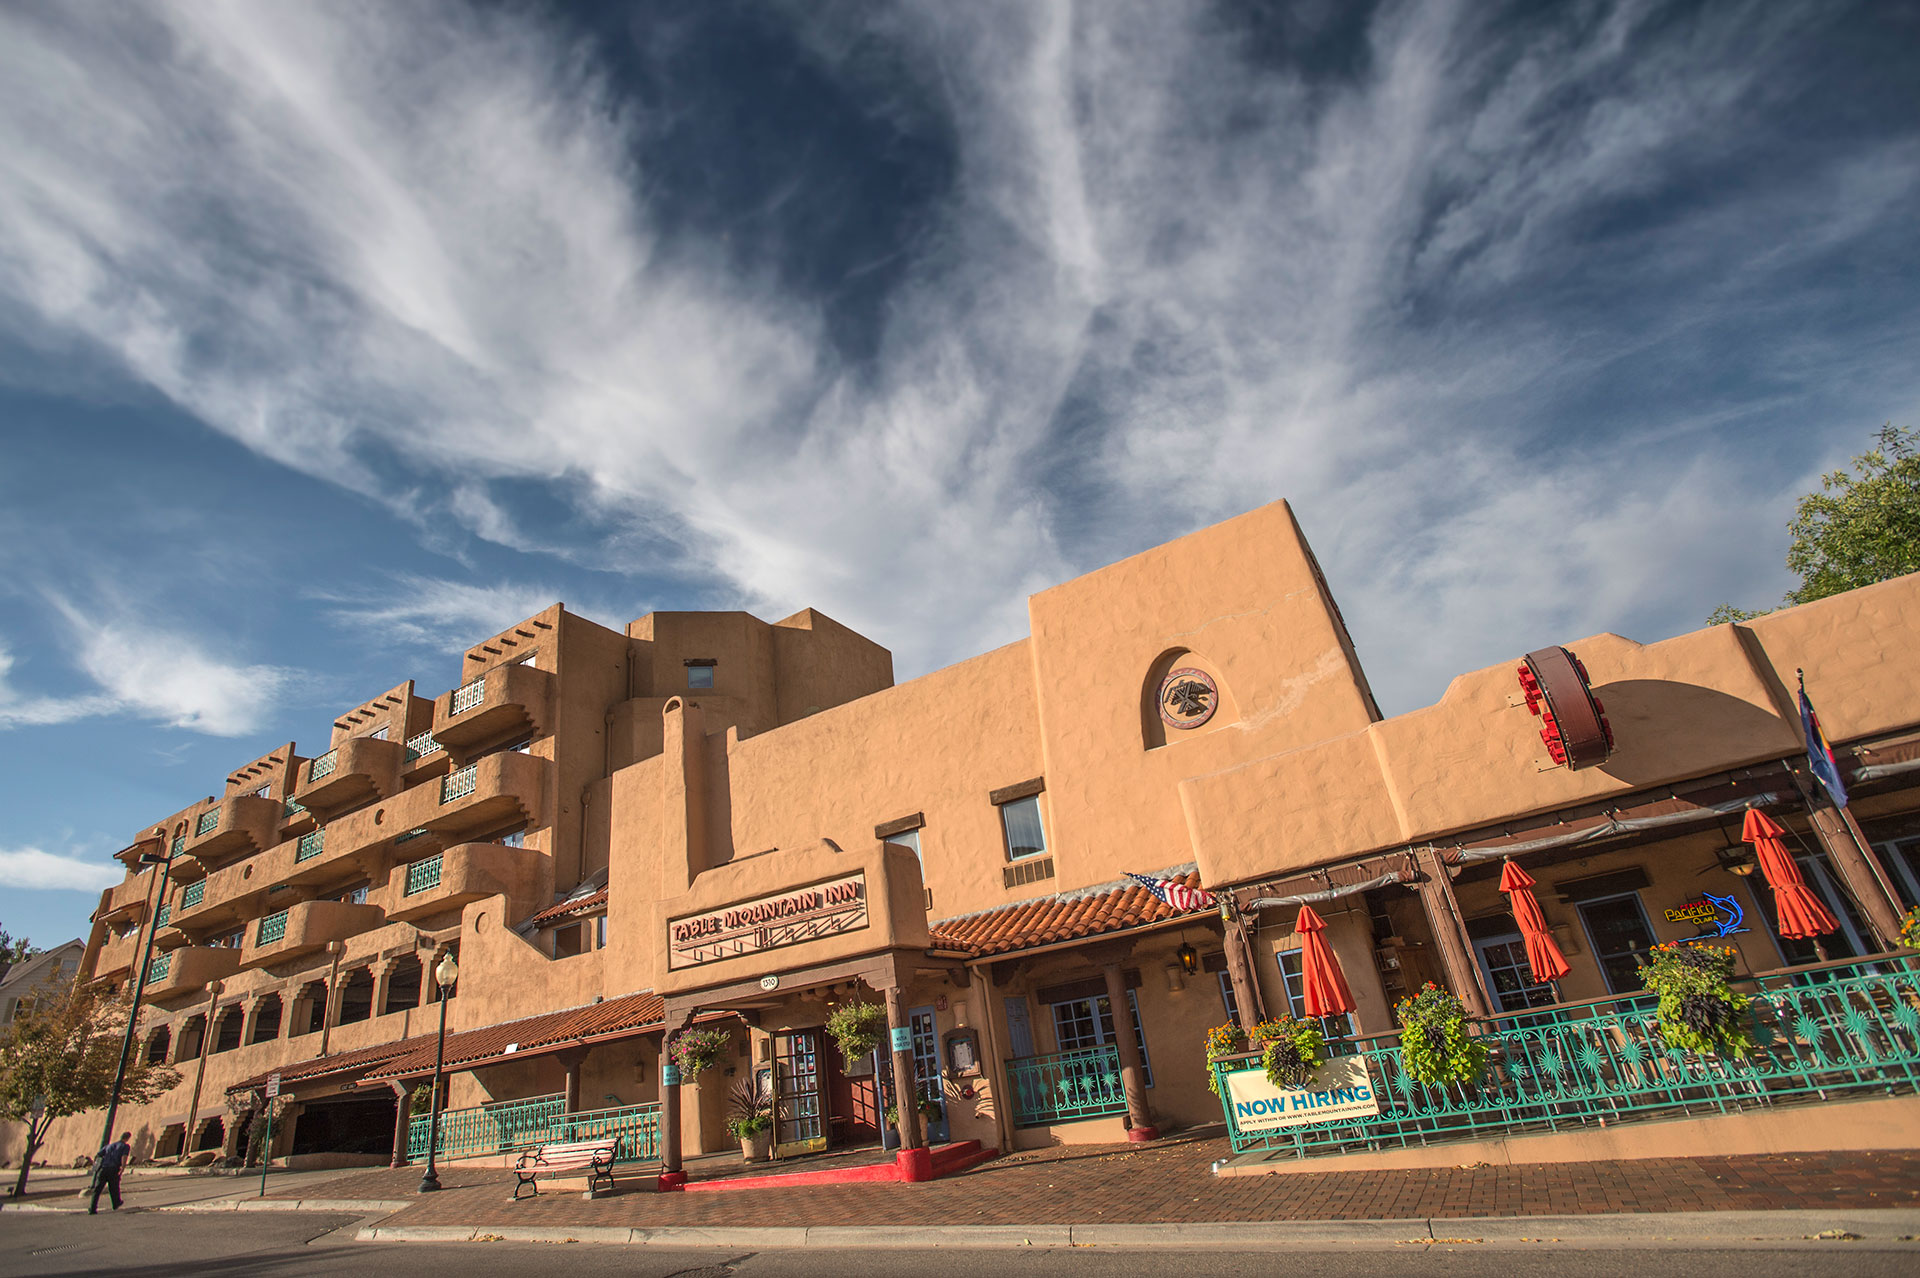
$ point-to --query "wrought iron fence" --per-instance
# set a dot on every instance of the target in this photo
(423, 875)
(420, 745)
(166, 913)
(157, 970)
(1825, 1031)
(209, 820)
(193, 895)
(179, 844)
(272, 928)
(291, 808)
(311, 844)
(1063, 1087)
(538, 1120)
(467, 696)
(323, 766)
(459, 783)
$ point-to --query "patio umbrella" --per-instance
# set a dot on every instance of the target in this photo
(1326, 992)
(1801, 914)
(1543, 956)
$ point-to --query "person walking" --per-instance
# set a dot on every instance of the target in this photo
(106, 1171)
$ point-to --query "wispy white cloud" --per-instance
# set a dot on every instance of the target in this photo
(433, 612)
(1170, 282)
(38, 869)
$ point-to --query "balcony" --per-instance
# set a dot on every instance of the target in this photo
(224, 898)
(333, 854)
(359, 770)
(117, 954)
(304, 928)
(505, 702)
(484, 796)
(463, 873)
(128, 903)
(239, 827)
(188, 970)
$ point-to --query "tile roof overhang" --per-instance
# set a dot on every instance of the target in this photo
(1085, 914)
(338, 1063)
(533, 1035)
(567, 909)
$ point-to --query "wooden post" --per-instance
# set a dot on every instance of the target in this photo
(1240, 974)
(1443, 917)
(1859, 868)
(402, 1119)
(914, 1160)
(1132, 1074)
(571, 1060)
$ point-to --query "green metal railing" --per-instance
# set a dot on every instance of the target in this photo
(291, 808)
(1066, 1086)
(323, 766)
(160, 919)
(1824, 1031)
(467, 696)
(459, 783)
(272, 928)
(209, 820)
(540, 1120)
(193, 895)
(420, 745)
(179, 844)
(410, 836)
(157, 970)
(422, 875)
(311, 844)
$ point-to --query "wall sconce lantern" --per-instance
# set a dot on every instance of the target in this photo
(1189, 958)
(1735, 858)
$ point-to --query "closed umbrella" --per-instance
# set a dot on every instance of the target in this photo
(1543, 956)
(1801, 914)
(1326, 992)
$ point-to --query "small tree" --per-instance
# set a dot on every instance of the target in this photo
(14, 951)
(64, 1050)
(1858, 529)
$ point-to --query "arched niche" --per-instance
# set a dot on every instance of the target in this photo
(1205, 686)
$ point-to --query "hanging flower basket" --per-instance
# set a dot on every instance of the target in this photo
(1699, 1009)
(857, 1029)
(1435, 1048)
(1291, 1050)
(697, 1050)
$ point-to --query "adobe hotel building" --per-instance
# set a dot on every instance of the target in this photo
(710, 820)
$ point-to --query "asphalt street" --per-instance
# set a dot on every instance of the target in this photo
(152, 1244)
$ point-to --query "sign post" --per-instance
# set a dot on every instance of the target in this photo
(266, 1147)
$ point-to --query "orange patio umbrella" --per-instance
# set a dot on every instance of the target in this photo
(1543, 956)
(1326, 992)
(1801, 914)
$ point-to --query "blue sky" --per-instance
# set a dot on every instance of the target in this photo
(335, 336)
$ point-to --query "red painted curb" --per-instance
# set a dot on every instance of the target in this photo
(670, 1181)
(914, 1165)
(1141, 1134)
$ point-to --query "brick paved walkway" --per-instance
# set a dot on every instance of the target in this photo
(1170, 1181)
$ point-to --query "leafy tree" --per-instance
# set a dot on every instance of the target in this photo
(65, 1048)
(1860, 528)
(12, 951)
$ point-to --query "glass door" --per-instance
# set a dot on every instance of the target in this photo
(798, 1127)
(1503, 961)
(926, 1071)
(1618, 931)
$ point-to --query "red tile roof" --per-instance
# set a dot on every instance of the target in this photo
(339, 1062)
(566, 908)
(1062, 917)
(616, 1017)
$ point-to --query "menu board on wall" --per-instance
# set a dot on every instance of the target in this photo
(768, 922)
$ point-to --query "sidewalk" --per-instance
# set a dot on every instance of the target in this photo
(1170, 1182)
(50, 1190)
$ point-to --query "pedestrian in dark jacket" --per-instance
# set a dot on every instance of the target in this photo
(106, 1171)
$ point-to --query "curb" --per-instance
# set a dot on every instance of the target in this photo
(1880, 1225)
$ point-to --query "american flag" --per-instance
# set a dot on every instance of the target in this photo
(1177, 895)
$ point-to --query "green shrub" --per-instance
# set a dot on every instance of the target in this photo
(1699, 1010)
(1435, 1047)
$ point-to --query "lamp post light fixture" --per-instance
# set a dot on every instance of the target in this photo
(445, 973)
(165, 861)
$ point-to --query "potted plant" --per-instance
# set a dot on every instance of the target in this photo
(1435, 1047)
(1291, 1050)
(1223, 1041)
(930, 1111)
(1699, 1009)
(857, 1028)
(1910, 929)
(697, 1050)
(751, 1120)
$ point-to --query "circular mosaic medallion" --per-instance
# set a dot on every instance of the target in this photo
(1187, 698)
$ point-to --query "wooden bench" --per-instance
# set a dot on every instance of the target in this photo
(593, 1157)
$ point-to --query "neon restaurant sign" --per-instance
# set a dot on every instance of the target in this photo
(768, 922)
(1722, 913)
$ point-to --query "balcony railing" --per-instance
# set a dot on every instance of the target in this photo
(208, 822)
(1826, 1031)
(194, 894)
(179, 844)
(291, 808)
(420, 745)
(467, 696)
(423, 875)
(158, 969)
(410, 836)
(311, 844)
(322, 766)
(458, 784)
(1066, 1086)
(272, 928)
(494, 1129)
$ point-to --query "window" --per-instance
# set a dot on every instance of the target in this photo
(1902, 857)
(1848, 942)
(569, 941)
(513, 839)
(354, 895)
(1088, 1022)
(699, 677)
(600, 932)
(1331, 1026)
(1618, 931)
(911, 839)
(261, 793)
(378, 734)
(232, 940)
(1503, 962)
(1226, 997)
(1020, 818)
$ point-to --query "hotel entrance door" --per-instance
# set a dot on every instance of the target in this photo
(798, 1086)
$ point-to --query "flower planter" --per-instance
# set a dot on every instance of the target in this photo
(758, 1147)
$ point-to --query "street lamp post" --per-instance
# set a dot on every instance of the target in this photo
(445, 972)
(165, 862)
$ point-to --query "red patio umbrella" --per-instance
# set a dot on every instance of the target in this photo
(1326, 992)
(1801, 914)
(1543, 956)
